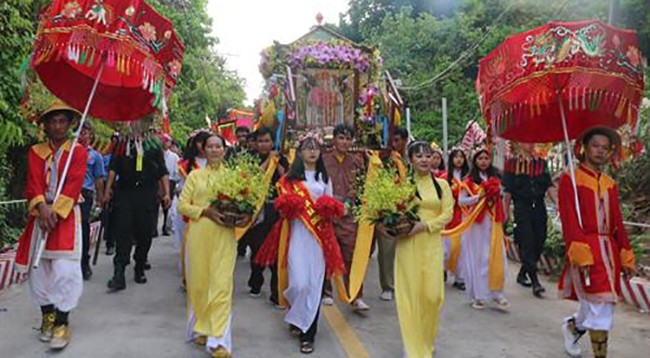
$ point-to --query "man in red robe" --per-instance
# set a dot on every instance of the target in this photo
(56, 285)
(342, 169)
(597, 246)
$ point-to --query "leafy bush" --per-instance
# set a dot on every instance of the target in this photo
(12, 217)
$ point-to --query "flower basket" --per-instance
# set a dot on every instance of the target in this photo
(390, 202)
(232, 215)
(399, 226)
(238, 189)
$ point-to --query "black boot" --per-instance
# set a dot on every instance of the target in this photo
(538, 289)
(522, 278)
(138, 275)
(86, 272)
(118, 282)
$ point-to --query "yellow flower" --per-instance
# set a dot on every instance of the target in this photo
(385, 194)
(229, 183)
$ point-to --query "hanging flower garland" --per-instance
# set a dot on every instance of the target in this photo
(333, 54)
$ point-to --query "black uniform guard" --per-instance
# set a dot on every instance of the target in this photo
(255, 236)
(526, 180)
(135, 206)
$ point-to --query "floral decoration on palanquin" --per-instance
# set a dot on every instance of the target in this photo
(336, 55)
(238, 188)
(389, 201)
(333, 54)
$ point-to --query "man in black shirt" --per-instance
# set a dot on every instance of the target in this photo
(526, 180)
(137, 175)
(255, 236)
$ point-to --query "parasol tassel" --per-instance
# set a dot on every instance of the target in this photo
(92, 58)
(110, 60)
(84, 56)
(145, 78)
(59, 54)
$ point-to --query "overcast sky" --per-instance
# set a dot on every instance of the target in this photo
(245, 27)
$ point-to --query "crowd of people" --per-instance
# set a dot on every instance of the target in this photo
(306, 232)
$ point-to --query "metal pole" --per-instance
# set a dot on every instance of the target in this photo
(445, 141)
(570, 159)
(613, 11)
(408, 122)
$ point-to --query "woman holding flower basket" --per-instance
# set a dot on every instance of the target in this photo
(212, 251)
(303, 242)
(419, 285)
(483, 251)
(413, 210)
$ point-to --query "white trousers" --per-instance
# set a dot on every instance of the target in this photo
(595, 316)
(57, 282)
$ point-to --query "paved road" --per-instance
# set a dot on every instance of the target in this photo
(149, 321)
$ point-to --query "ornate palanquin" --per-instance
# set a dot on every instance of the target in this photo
(324, 79)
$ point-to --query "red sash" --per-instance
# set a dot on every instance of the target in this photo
(276, 245)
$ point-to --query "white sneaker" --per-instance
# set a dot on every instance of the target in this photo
(327, 301)
(571, 345)
(358, 305)
(386, 296)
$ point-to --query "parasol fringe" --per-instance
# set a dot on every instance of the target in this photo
(92, 58)
(81, 45)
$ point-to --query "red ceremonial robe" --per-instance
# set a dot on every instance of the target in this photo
(601, 243)
(65, 240)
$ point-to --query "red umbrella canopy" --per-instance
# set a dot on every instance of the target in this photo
(595, 70)
(141, 53)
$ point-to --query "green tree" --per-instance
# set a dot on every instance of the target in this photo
(434, 47)
(16, 31)
(205, 87)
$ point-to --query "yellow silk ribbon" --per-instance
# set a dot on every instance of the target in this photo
(363, 244)
(454, 252)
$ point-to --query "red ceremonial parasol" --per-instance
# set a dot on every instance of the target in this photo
(554, 82)
(114, 59)
(130, 47)
(591, 71)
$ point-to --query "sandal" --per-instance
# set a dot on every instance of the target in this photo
(220, 352)
(200, 340)
(478, 304)
(502, 302)
(306, 347)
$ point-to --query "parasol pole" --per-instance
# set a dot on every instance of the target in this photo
(43, 238)
(445, 140)
(570, 160)
(408, 123)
